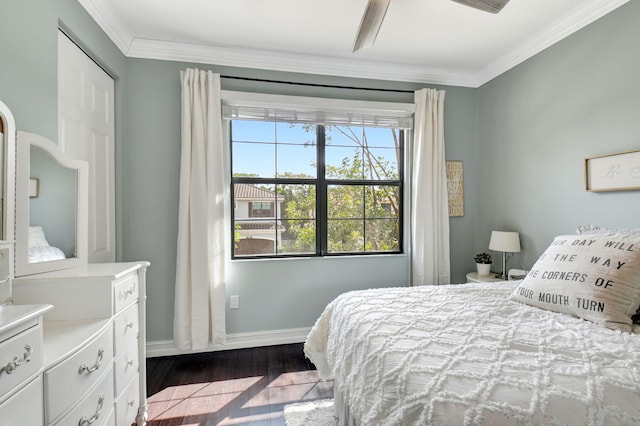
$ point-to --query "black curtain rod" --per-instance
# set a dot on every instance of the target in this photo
(330, 86)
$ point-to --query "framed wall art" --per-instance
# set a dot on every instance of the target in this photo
(34, 187)
(613, 172)
(455, 187)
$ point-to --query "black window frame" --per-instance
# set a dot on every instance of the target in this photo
(321, 183)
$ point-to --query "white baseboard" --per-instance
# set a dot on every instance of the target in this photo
(234, 341)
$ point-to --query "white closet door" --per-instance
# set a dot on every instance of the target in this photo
(86, 131)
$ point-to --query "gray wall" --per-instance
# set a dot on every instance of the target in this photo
(522, 138)
(537, 122)
(274, 295)
(29, 69)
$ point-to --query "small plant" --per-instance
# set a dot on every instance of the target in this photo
(483, 258)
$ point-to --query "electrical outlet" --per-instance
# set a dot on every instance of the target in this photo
(234, 302)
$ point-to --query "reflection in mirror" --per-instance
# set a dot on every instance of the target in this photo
(51, 207)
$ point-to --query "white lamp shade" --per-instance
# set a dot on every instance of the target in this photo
(504, 241)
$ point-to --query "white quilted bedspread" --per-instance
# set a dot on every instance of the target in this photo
(466, 354)
(45, 254)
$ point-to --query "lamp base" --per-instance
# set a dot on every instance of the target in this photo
(503, 275)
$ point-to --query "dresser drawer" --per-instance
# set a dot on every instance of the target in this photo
(125, 292)
(125, 328)
(24, 408)
(65, 383)
(111, 420)
(96, 408)
(128, 402)
(20, 358)
(126, 366)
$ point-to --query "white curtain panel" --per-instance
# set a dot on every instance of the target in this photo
(199, 317)
(430, 262)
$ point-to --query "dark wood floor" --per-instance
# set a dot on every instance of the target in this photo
(236, 387)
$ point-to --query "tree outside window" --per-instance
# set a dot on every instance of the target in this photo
(335, 190)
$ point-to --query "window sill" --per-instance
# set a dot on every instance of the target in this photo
(332, 258)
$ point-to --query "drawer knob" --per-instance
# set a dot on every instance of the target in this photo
(84, 421)
(130, 324)
(95, 366)
(16, 362)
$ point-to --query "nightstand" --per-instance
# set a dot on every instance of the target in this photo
(473, 277)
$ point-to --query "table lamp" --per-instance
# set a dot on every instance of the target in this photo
(506, 242)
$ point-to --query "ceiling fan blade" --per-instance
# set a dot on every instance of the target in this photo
(370, 23)
(491, 6)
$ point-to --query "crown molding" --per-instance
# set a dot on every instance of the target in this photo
(104, 15)
(102, 12)
(290, 62)
(548, 36)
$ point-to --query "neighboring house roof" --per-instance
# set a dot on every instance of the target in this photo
(244, 191)
(246, 226)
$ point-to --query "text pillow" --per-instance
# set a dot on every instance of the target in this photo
(595, 277)
(595, 229)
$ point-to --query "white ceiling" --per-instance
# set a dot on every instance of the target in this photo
(426, 41)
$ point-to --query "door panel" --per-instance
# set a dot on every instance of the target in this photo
(86, 130)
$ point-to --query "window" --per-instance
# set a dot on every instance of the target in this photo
(315, 177)
(259, 209)
(306, 189)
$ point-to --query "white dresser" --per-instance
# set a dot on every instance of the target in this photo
(93, 342)
(21, 364)
(72, 334)
(6, 270)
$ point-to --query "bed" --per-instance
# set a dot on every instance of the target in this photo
(39, 248)
(486, 353)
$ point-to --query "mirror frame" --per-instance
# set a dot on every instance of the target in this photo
(9, 173)
(24, 143)
(8, 189)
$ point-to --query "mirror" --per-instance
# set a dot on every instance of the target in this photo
(7, 171)
(51, 207)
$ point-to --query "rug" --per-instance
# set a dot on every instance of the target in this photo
(312, 413)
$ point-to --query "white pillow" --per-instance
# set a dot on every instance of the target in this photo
(595, 277)
(36, 237)
(595, 229)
